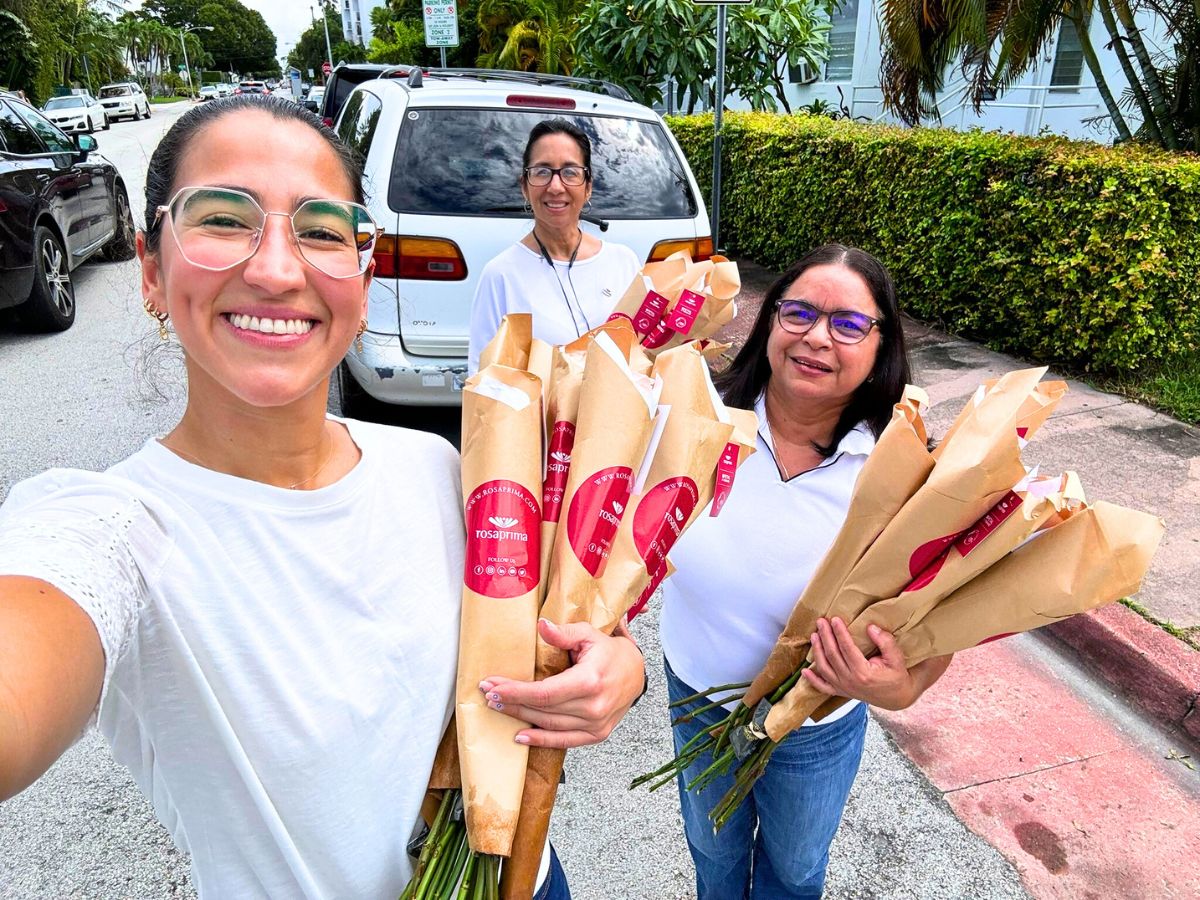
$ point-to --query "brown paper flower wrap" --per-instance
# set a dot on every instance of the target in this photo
(676, 301)
(936, 549)
(626, 472)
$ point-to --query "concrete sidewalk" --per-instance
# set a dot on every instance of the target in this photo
(1072, 751)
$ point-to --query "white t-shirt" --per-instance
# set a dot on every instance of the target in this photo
(566, 301)
(740, 574)
(279, 665)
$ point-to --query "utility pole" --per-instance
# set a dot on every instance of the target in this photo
(328, 48)
(186, 67)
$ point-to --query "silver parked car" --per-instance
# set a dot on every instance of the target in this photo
(125, 99)
(77, 112)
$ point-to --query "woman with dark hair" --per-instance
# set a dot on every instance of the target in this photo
(259, 610)
(822, 367)
(570, 280)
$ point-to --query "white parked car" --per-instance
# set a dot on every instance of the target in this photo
(224, 89)
(208, 92)
(125, 99)
(77, 112)
(443, 158)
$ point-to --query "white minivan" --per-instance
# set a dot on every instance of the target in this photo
(442, 155)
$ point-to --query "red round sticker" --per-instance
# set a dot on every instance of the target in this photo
(504, 530)
(595, 513)
(661, 516)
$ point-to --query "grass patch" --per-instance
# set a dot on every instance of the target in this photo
(1172, 387)
(1190, 636)
(157, 101)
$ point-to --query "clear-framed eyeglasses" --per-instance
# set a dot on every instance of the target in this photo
(571, 176)
(217, 228)
(846, 326)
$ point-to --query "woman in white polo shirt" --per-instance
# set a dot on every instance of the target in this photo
(822, 367)
(570, 280)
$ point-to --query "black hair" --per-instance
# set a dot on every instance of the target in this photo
(558, 126)
(747, 376)
(164, 163)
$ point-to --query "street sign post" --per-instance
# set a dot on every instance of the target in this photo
(715, 212)
(441, 26)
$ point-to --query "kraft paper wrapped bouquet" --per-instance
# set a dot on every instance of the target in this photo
(676, 301)
(576, 482)
(946, 550)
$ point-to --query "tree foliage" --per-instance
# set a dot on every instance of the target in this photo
(645, 47)
(996, 42)
(529, 35)
(18, 53)
(240, 40)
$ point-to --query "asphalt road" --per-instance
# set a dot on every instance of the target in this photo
(90, 396)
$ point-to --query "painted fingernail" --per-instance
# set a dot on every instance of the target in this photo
(485, 686)
(493, 696)
(521, 739)
(494, 705)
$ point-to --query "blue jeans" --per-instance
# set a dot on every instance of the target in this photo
(555, 886)
(777, 844)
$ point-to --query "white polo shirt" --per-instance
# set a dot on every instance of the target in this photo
(740, 574)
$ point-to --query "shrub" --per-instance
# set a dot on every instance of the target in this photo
(1052, 249)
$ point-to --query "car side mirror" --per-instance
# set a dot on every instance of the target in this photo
(84, 144)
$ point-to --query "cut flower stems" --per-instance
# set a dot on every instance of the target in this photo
(447, 868)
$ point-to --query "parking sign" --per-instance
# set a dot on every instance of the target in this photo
(441, 24)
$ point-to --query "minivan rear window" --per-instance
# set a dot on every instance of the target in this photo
(458, 161)
(119, 91)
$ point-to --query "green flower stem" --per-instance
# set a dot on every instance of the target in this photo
(719, 689)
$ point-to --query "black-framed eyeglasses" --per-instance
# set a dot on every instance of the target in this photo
(846, 326)
(571, 176)
(218, 228)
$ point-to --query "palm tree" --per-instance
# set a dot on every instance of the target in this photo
(529, 35)
(998, 41)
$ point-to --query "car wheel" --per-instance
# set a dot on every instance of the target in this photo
(51, 303)
(147, 110)
(123, 244)
(107, 124)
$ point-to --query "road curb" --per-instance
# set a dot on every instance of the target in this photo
(1154, 669)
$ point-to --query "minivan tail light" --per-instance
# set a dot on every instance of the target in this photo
(421, 258)
(697, 248)
(531, 100)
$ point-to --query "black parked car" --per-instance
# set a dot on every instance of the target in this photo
(60, 203)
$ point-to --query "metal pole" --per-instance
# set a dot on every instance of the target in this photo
(718, 110)
(328, 49)
(443, 50)
(187, 68)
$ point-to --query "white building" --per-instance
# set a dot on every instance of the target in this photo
(1058, 95)
(356, 19)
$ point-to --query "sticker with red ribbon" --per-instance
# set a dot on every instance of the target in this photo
(726, 470)
(595, 513)
(558, 466)
(504, 531)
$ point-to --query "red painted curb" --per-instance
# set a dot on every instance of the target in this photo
(1160, 673)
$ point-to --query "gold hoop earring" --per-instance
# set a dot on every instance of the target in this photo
(362, 326)
(158, 316)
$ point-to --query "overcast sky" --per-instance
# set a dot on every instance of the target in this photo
(287, 18)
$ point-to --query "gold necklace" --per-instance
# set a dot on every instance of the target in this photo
(290, 487)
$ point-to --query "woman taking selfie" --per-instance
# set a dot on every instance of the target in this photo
(822, 367)
(569, 279)
(259, 609)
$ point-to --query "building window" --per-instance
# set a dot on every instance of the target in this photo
(844, 22)
(1068, 60)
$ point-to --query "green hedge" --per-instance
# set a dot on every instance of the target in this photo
(1052, 249)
